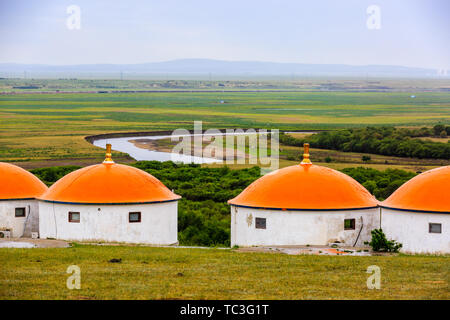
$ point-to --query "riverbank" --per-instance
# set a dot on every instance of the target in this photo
(160, 142)
(159, 146)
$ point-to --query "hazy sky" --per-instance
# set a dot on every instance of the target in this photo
(413, 32)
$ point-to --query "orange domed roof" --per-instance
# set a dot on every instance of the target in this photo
(109, 183)
(17, 183)
(429, 191)
(305, 187)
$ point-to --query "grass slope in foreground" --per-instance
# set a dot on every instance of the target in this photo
(179, 273)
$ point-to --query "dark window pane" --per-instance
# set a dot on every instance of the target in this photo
(349, 224)
(134, 217)
(260, 223)
(20, 212)
(74, 217)
(435, 228)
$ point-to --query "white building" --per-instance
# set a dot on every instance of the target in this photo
(418, 213)
(109, 202)
(303, 204)
(19, 215)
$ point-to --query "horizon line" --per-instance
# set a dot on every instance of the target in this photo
(218, 60)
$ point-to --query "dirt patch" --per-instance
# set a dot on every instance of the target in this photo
(166, 145)
(151, 145)
(33, 243)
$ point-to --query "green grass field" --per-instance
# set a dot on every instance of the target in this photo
(269, 83)
(53, 126)
(177, 273)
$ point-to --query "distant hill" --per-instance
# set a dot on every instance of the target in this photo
(207, 67)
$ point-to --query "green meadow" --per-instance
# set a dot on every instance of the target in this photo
(189, 273)
(53, 126)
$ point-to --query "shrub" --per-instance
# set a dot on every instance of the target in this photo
(53, 174)
(387, 141)
(380, 243)
(370, 185)
(380, 183)
(438, 129)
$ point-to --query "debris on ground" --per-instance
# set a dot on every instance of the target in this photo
(315, 250)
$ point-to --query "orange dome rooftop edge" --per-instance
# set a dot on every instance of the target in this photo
(18, 183)
(305, 187)
(428, 191)
(109, 183)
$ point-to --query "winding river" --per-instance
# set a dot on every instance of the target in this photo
(125, 145)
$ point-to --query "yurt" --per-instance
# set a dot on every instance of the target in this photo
(418, 213)
(304, 204)
(19, 210)
(109, 202)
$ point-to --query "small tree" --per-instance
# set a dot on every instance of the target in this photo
(438, 129)
(443, 134)
(380, 243)
(370, 185)
(328, 159)
(366, 158)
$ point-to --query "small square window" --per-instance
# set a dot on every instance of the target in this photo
(20, 212)
(435, 228)
(260, 223)
(134, 217)
(74, 217)
(349, 224)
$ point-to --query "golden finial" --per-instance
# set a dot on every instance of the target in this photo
(306, 154)
(108, 158)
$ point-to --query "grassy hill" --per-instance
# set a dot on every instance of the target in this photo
(180, 273)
